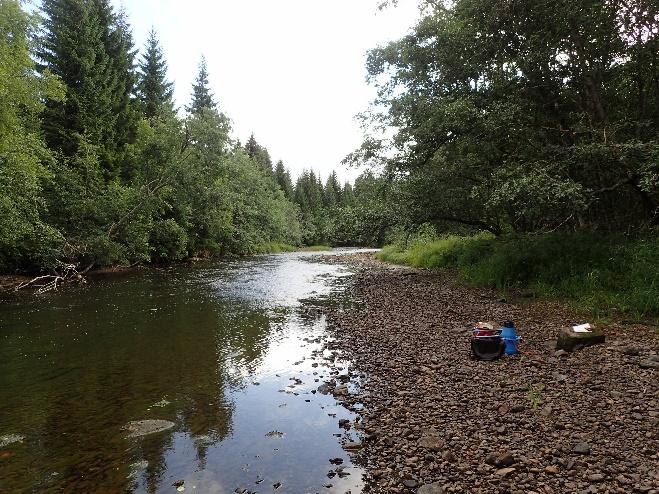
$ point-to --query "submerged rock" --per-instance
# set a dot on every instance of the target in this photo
(137, 467)
(8, 439)
(139, 428)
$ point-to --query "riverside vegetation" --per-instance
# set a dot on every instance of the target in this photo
(528, 132)
(98, 167)
(538, 124)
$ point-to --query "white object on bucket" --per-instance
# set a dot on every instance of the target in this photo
(581, 328)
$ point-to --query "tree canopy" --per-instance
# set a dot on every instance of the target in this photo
(528, 117)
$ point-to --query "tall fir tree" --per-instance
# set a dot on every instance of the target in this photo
(202, 97)
(283, 177)
(259, 154)
(347, 195)
(332, 191)
(89, 48)
(122, 52)
(154, 91)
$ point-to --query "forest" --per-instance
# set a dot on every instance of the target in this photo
(525, 133)
(98, 167)
(533, 125)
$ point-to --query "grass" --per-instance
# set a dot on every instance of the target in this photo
(605, 275)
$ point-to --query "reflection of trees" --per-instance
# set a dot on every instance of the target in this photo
(80, 384)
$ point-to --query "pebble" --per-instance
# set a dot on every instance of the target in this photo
(429, 413)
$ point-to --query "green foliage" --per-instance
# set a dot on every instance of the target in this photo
(114, 188)
(26, 240)
(534, 392)
(601, 273)
(540, 117)
(202, 97)
(89, 48)
(337, 215)
(154, 91)
(259, 155)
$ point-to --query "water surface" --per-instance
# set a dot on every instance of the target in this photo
(228, 351)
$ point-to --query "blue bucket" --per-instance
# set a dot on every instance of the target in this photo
(510, 338)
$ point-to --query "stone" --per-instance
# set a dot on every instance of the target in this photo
(434, 488)
(581, 448)
(648, 364)
(448, 456)
(352, 445)
(569, 340)
(504, 460)
(631, 351)
(341, 390)
(433, 443)
(505, 472)
(551, 469)
(410, 483)
(139, 428)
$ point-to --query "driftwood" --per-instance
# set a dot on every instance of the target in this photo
(64, 273)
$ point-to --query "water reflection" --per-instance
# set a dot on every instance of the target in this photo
(211, 349)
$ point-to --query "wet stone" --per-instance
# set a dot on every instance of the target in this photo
(139, 428)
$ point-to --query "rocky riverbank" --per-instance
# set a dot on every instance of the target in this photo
(435, 421)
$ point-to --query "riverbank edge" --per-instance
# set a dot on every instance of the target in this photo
(402, 454)
(607, 276)
(10, 282)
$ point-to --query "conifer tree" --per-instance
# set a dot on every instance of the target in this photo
(332, 192)
(89, 48)
(154, 91)
(202, 97)
(283, 177)
(259, 154)
(347, 195)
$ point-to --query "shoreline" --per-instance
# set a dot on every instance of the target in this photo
(9, 282)
(434, 421)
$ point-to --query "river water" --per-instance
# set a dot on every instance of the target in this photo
(229, 352)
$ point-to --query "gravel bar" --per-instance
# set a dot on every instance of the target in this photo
(432, 420)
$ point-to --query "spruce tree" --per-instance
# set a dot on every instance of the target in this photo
(259, 155)
(347, 195)
(332, 192)
(154, 91)
(201, 93)
(89, 48)
(121, 50)
(283, 177)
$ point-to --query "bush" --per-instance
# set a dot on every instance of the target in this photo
(604, 274)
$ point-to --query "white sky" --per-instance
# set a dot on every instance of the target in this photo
(291, 71)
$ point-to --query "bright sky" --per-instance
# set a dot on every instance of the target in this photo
(291, 71)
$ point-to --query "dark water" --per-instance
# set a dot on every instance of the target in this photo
(214, 349)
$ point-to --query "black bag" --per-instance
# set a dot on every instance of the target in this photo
(487, 347)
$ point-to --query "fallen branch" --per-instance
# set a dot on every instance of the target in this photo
(45, 283)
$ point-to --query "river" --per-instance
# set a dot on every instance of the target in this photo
(228, 353)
